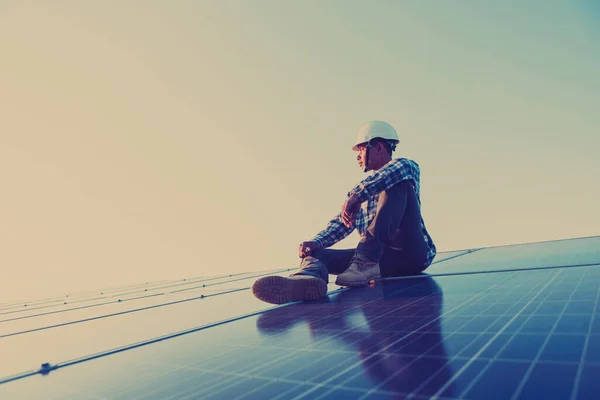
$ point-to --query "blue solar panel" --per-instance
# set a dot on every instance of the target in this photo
(573, 252)
(525, 334)
(73, 332)
(536, 331)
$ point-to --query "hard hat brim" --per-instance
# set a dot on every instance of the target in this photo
(355, 147)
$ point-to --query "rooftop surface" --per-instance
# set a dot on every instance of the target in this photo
(509, 322)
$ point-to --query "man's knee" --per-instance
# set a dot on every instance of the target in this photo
(390, 212)
(398, 191)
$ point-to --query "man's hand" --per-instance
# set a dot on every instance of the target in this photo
(306, 248)
(349, 210)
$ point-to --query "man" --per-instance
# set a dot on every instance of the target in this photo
(385, 208)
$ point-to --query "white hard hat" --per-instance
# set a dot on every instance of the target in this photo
(376, 129)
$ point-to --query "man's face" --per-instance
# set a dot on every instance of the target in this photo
(362, 152)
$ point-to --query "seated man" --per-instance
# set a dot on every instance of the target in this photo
(385, 208)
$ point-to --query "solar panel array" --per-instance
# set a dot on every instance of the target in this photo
(509, 322)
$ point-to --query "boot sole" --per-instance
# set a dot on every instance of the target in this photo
(357, 284)
(281, 290)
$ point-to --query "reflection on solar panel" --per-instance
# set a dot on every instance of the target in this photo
(512, 322)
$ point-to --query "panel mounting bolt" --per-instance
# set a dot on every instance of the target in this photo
(45, 368)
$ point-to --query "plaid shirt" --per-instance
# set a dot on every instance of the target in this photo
(367, 192)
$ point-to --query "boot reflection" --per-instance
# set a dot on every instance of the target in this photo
(392, 327)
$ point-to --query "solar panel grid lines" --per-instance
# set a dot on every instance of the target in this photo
(120, 292)
(126, 290)
(293, 387)
(581, 252)
(131, 346)
(122, 300)
(126, 286)
(232, 377)
(179, 388)
(177, 383)
(151, 285)
(501, 353)
(73, 309)
(76, 360)
(427, 353)
(257, 382)
(21, 306)
(274, 361)
(316, 387)
(314, 342)
(234, 280)
(76, 301)
(518, 334)
(585, 346)
(458, 355)
(195, 392)
(169, 336)
(120, 313)
(122, 295)
(494, 358)
(333, 385)
(447, 337)
(496, 271)
(119, 288)
(441, 257)
(550, 242)
(284, 378)
(62, 298)
(544, 344)
(208, 392)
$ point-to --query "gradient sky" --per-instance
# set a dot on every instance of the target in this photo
(146, 140)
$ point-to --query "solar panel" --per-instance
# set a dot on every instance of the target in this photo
(130, 292)
(132, 300)
(572, 252)
(513, 334)
(447, 255)
(67, 335)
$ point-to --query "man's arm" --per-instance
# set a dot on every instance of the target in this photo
(392, 173)
(333, 233)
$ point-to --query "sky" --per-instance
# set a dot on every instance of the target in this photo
(151, 140)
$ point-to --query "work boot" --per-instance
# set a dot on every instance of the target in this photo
(280, 290)
(360, 273)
